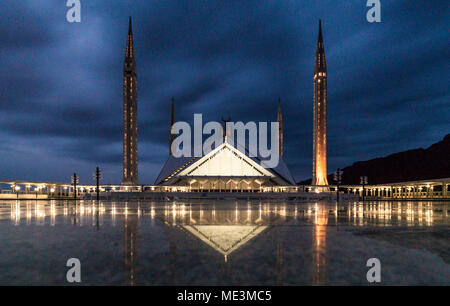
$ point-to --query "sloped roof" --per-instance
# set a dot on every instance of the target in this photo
(281, 169)
(174, 165)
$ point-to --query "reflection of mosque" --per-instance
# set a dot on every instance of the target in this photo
(231, 227)
(225, 231)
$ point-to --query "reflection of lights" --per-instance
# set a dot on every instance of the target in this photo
(39, 213)
(17, 188)
(15, 213)
(174, 212)
(152, 212)
(52, 214)
(371, 213)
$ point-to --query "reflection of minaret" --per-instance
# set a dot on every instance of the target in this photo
(279, 262)
(280, 129)
(319, 247)
(130, 124)
(320, 115)
(130, 227)
(172, 122)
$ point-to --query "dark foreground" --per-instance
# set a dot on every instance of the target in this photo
(224, 243)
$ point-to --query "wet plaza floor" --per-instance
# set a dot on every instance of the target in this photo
(224, 242)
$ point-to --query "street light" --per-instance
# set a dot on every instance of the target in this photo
(337, 177)
(363, 181)
(75, 181)
(97, 177)
(17, 188)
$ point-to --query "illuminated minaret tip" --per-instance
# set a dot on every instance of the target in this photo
(320, 115)
(130, 123)
(172, 122)
(280, 129)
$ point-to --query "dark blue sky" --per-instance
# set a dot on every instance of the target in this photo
(61, 83)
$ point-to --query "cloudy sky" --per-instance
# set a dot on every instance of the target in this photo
(61, 83)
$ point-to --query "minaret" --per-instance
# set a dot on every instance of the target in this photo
(320, 115)
(280, 129)
(172, 122)
(130, 124)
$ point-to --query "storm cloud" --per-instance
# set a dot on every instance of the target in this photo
(61, 83)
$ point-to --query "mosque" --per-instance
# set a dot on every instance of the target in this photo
(228, 167)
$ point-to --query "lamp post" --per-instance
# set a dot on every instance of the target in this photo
(75, 181)
(17, 189)
(97, 177)
(337, 177)
(363, 181)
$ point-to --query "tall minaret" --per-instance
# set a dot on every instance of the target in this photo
(130, 124)
(280, 129)
(172, 122)
(320, 115)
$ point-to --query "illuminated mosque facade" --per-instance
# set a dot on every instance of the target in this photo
(228, 167)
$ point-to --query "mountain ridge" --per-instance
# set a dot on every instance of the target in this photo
(410, 165)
